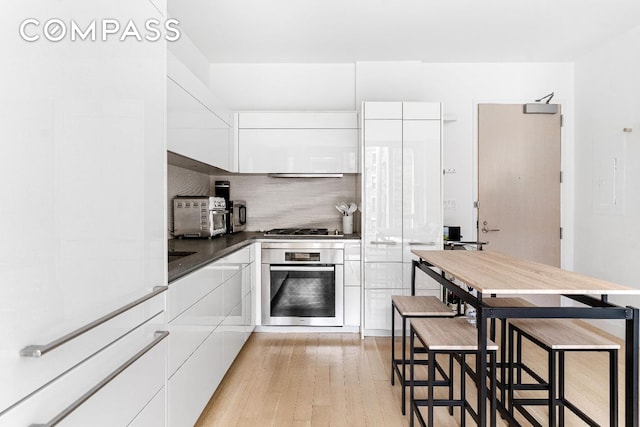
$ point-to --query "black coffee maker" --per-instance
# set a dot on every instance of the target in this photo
(223, 189)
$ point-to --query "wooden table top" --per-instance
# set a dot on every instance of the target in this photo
(494, 273)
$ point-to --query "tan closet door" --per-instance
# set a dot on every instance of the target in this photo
(519, 182)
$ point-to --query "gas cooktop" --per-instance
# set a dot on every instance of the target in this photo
(297, 232)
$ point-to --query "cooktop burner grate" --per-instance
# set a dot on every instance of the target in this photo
(298, 232)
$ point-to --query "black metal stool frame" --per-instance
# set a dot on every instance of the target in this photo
(465, 370)
(553, 401)
(395, 369)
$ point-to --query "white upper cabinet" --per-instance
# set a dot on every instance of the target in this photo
(382, 110)
(421, 110)
(298, 142)
(198, 125)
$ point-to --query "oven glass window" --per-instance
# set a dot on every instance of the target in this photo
(303, 292)
(219, 220)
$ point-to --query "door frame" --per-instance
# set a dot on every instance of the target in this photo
(566, 166)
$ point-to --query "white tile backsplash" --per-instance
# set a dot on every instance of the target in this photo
(291, 202)
(271, 202)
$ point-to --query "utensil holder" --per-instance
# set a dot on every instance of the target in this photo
(347, 224)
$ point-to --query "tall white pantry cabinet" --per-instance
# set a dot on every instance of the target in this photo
(401, 201)
(82, 175)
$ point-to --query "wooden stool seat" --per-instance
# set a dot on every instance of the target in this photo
(449, 334)
(564, 334)
(556, 337)
(457, 338)
(423, 306)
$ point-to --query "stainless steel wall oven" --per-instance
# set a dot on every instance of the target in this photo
(302, 283)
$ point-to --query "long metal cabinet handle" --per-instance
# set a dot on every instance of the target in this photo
(40, 350)
(422, 243)
(383, 242)
(299, 268)
(160, 335)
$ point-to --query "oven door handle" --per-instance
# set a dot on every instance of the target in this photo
(300, 268)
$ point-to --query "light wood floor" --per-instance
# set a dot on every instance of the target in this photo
(294, 379)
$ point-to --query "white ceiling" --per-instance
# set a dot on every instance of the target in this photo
(308, 31)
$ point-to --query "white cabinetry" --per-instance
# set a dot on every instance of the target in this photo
(84, 129)
(297, 142)
(402, 200)
(209, 324)
(129, 375)
(198, 125)
(352, 285)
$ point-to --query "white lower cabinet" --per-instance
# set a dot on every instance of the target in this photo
(352, 306)
(191, 387)
(208, 333)
(377, 310)
(129, 375)
(154, 414)
(352, 284)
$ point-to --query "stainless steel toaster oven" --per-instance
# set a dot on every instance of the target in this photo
(199, 216)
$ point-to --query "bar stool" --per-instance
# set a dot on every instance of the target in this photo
(502, 365)
(557, 337)
(458, 339)
(411, 307)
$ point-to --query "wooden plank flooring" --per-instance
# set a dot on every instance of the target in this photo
(301, 379)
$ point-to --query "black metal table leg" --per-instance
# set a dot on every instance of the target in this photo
(393, 346)
(631, 343)
(481, 364)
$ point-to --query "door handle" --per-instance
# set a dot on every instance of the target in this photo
(485, 228)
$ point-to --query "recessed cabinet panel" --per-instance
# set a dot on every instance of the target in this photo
(186, 291)
(377, 310)
(298, 150)
(421, 110)
(154, 414)
(352, 273)
(423, 281)
(382, 219)
(383, 275)
(193, 326)
(382, 110)
(191, 387)
(422, 186)
(299, 120)
(352, 306)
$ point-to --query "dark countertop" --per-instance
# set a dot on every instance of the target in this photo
(208, 250)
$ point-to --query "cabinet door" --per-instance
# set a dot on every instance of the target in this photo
(191, 387)
(352, 306)
(382, 110)
(422, 185)
(298, 150)
(377, 309)
(382, 197)
(383, 275)
(298, 120)
(194, 131)
(90, 145)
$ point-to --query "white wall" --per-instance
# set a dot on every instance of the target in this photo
(607, 242)
(459, 86)
(285, 86)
